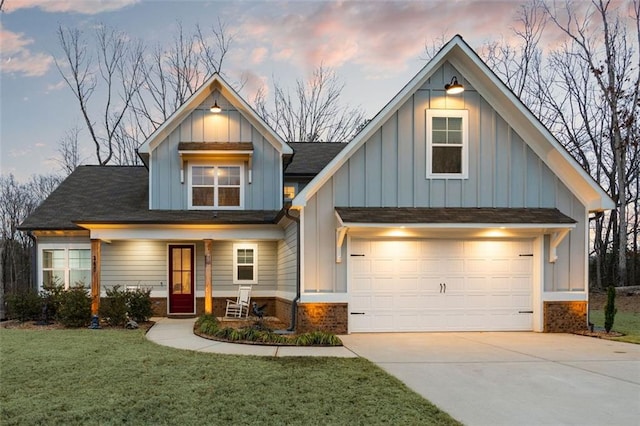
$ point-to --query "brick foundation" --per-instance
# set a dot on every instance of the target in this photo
(565, 317)
(331, 317)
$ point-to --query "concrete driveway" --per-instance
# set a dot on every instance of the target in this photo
(514, 378)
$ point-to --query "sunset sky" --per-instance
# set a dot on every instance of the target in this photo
(374, 46)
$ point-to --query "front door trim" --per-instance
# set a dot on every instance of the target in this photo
(168, 270)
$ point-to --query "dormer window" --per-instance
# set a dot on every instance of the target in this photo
(216, 186)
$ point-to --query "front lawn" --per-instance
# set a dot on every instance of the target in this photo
(115, 377)
(627, 323)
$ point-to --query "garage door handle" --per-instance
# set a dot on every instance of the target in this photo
(525, 312)
(357, 313)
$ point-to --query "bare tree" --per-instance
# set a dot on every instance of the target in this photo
(314, 112)
(69, 152)
(113, 69)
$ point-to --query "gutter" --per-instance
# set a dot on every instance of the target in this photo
(294, 304)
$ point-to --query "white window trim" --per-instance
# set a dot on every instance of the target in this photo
(215, 164)
(66, 248)
(238, 246)
(461, 113)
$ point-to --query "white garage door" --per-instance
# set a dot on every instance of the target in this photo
(440, 285)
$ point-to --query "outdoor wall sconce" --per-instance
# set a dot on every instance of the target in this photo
(453, 88)
(215, 108)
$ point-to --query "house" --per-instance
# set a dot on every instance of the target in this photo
(446, 212)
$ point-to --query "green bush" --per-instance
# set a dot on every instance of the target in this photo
(610, 308)
(139, 305)
(50, 295)
(24, 305)
(207, 324)
(113, 308)
(75, 307)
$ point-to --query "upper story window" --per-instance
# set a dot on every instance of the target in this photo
(216, 186)
(447, 143)
(65, 265)
(290, 191)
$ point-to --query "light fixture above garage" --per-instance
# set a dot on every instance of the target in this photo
(215, 108)
(453, 88)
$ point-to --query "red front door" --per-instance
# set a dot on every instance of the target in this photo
(181, 287)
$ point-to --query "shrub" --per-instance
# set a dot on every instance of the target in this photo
(207, 324)
(75, 307)
(113, 308)
(50, 296)
(139, 305)
(610, 308)
(24, 305)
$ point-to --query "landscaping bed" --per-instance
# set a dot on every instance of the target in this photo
(626, 327)
(259, 332)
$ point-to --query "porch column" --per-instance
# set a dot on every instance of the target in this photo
(95, 276)
(208, 277)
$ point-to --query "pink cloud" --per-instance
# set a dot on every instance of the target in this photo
(87, 7)
(258, 54)
(16, 58)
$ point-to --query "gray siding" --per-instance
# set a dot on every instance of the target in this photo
(265, 193)
(286, 282)
(389, 170)
(144, 263)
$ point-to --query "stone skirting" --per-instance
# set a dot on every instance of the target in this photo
(331, 317)
(565, 317)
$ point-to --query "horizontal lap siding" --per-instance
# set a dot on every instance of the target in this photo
(144, 264)
(286, 281)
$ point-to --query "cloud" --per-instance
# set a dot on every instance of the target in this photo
(87, 7)
(258, 54)
(16, 58)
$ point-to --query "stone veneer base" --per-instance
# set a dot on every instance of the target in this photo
(565, 317)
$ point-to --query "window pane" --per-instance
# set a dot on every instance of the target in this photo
(454, 137)
(455, 123)
(53, 259)
(202, 197)
(177, 282)
(439, 137)
(186, 259)
(77, 277)
(245, 272)
(50, 278)
(80, 259)
(439, 123)
(186, 282)
(229, 196)
(229, 175)
(289, 192)
(202, 175)
(245, 256)
(447, 160)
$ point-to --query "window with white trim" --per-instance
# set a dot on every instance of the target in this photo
(447, 143)
(245, 263)
(216, 186)
(65, 265)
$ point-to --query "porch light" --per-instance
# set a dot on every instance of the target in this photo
(215, 108)
(453, 88)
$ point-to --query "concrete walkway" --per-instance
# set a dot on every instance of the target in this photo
(514, 378)
(178, 333)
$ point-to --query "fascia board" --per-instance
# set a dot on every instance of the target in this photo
(373, 126)
(530, 226)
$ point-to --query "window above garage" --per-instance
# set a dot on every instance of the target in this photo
(447, 143)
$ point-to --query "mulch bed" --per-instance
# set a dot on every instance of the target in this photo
(54, 325)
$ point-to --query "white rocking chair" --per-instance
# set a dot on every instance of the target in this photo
(240, 307)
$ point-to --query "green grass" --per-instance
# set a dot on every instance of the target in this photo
(113, 377)
(627, 323)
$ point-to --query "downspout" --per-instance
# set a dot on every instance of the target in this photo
(294, 308)
(34, 261)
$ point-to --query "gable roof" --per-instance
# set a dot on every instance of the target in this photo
(215, 82)
(504, 101)
(309, 158)
(119, 195)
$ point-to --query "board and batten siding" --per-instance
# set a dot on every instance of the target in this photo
(286, 283)
(167, 192)
(145, 264)
(389, 170)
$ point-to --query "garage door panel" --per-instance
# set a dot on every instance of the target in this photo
(431, 285)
